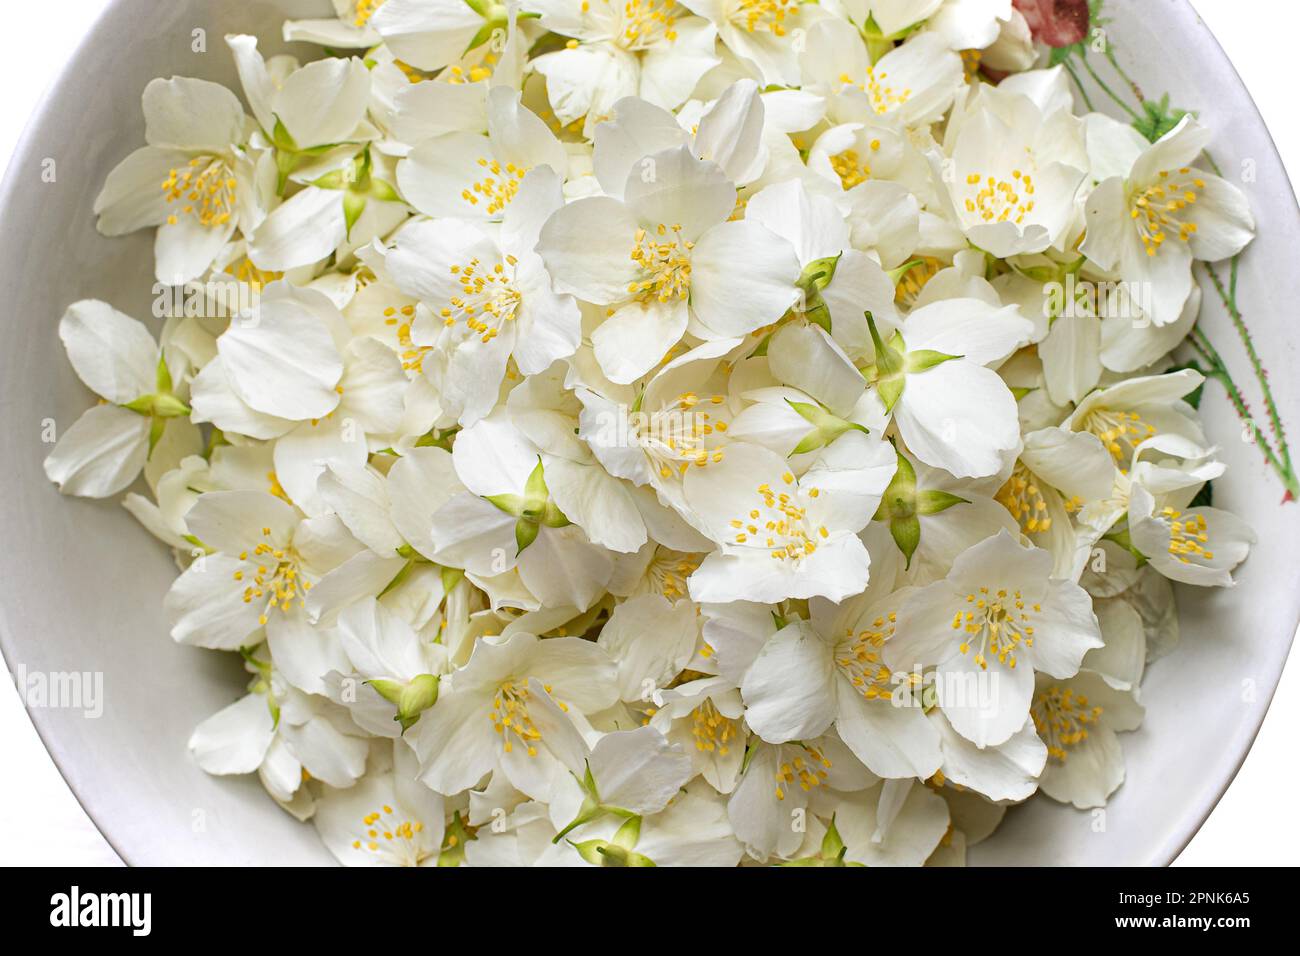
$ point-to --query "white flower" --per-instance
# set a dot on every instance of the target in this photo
(285, 736)
(196, 180)
(1150, 224)
(913, 84)
(476, 174)
(387, 819)
(494, 713)
(779, 780)
(1198, 545)
(117, 358)
(953, 412)
(1015, 171)
(1078, 720)
(782, 537)
(488, 299)
(664, 256)
(351, 29)
(831, 669)
(646, 48)
(263, 560)
(988, 626)
(507, 519)
(761, 32)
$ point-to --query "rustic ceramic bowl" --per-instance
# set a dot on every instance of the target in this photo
(81, 584)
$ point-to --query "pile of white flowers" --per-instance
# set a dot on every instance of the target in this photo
(658, 432)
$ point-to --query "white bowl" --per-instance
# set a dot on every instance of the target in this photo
(81, 584)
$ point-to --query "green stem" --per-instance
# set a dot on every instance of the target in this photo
(1229, 297)
(1074, 74)
(1107, 90)
(1219, 371)
(1114, 62)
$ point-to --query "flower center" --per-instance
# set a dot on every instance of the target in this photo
(779, 524)
(808, 773)
(915, 279)
(1159, 208)
(1062, 718)
(497, 188)
(510, 716)
(1120, 432)
(712, 731)
(1188, 536)
(412, 355)
(365, 9)
(393, 839)
(851, 168)
(665, 262)
(641, 23)
(1024, 499)
(668, 571)
(764, 16)
(882, 96)
(274, 576)
(488, 298)
(1000, 200)
(205, 189)
(677, 436)
(997, 624)
(253, 277)
(858, 656)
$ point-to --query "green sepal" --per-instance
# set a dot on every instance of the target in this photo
(451, 577)
(354, 204)
(453, 842)
(156, 428)
(383, 191)
(890, 367)
(825, 426)
(160, 405)
(906, 533)
(899, 500)
(282, 138)
(163, 376)
(896, 275)
(923, 360)
(511, 504)
(417, 697)
(934, 502)
(526, 533)
(390, 690)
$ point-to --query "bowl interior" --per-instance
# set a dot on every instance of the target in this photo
(81, 584)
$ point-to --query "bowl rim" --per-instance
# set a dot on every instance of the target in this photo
(1162, 855)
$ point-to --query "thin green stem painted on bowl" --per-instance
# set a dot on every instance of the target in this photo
(1153, 119)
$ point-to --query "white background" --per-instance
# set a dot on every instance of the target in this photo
(40, 821)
